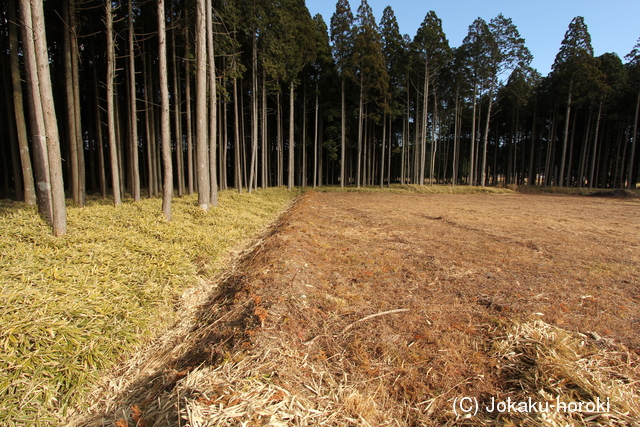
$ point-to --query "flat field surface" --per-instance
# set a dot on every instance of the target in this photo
(386, 309)
(573, 262)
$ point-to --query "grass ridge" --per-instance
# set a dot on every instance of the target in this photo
(71, 307)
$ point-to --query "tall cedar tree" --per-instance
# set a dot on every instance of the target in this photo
(202, 124)
(370, 73)
(18, 108)
(634, 80)
(342, 38)
(508, 52)
(433, 52)
(396, 57)
(44, 122)
(167, 166)
(574, 70)
(323, 75)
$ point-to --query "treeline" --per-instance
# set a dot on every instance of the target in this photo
(202, 95)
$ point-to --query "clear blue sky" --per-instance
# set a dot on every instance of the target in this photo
(614, 25)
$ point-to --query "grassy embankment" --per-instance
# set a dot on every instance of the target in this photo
(71, 307)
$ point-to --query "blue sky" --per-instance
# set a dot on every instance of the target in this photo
(614, 25)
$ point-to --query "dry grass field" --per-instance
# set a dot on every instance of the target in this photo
(406, 309)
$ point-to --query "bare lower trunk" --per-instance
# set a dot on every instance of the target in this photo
(473, 137)
(343, 119)
(70, 104)
(237, 148)
(202, 139)
(456, 143)
(303, 166)
(254, 113)
(263, 134)
(189, 128)
(133, 112)
(36, 116)
(483, 173)
(360, 130)
(279, 138)
(111, 124)
(595, 147)
(384, 136)
(167, 167)
(291, 141)
(58, 208)
(634, 143)
(177, 110)
(423, 127)
(566, 137)
(213, 112)
(75, 61)
(18, 110)
(315, 142)
(531, 179)
(389, 155)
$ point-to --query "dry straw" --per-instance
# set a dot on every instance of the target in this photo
(547, 363)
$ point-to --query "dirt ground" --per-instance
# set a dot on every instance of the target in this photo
(385, 308)
(458, 260)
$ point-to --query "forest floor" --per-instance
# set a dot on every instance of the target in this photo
(408, 309)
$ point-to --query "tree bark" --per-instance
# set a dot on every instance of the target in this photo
(213, 112)
(566, 137)
(343, 142)
(165, 118)
(59, 219)
(18, 110)
(485, 140)
(389, 152)
(434, 139)
(202, 159)
(315, 141)
(111, 125)
(44, 122)
(189, 128)
(263, 133)
(456, 141)
(291, 141)
(75, 61)
(279, 137)
(634, 143)
(360, 130)
(177, 110)
(303, 165)
(237, 148)
(254, 111)
(149, 127)
(531, 180)
(473, 137)
(133, 111)
(36, 115)
(382, 158)
(16, 169)
(423, 127)
(70, 104)
(224, 184)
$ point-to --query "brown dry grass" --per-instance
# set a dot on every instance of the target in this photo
(384, 309)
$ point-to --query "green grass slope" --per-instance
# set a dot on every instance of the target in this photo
(71, 307)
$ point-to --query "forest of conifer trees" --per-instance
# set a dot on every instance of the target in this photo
(175, 97)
